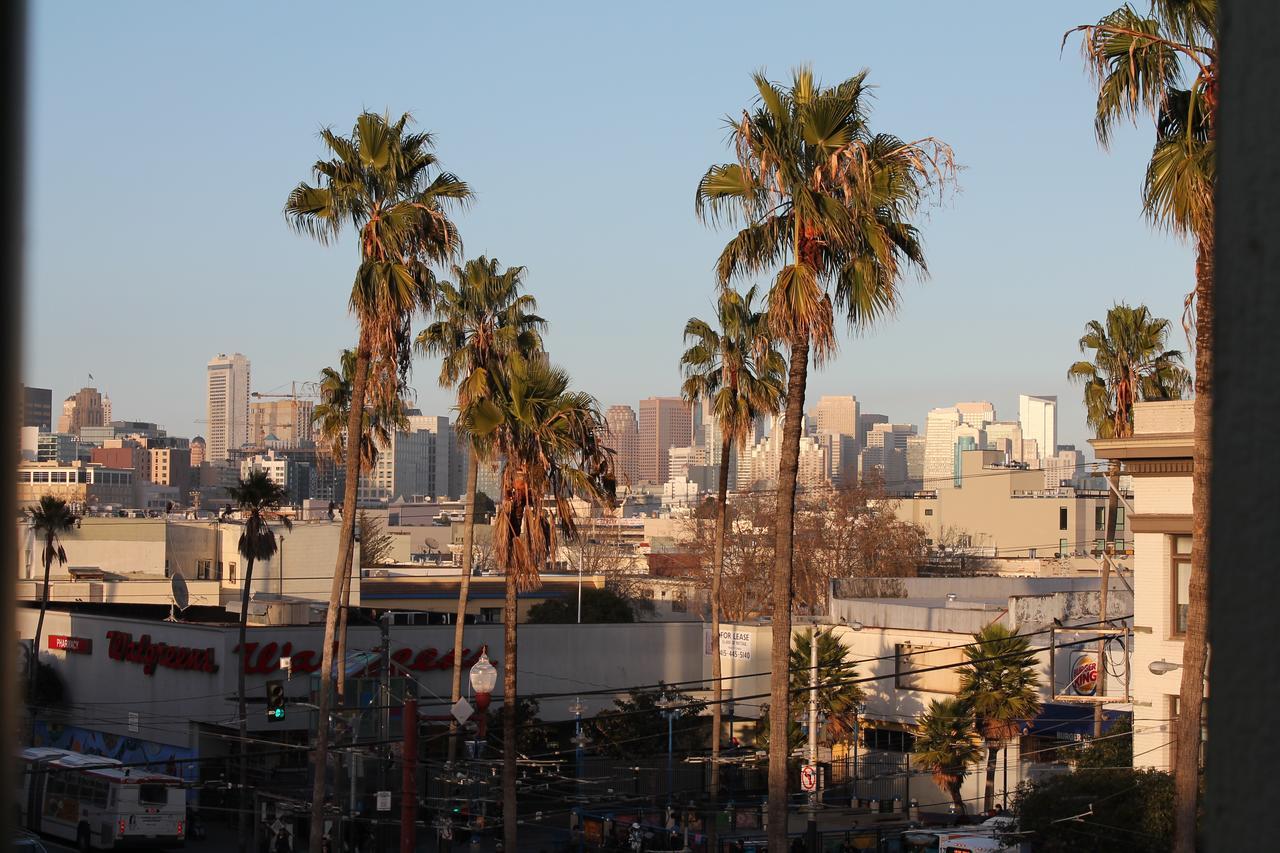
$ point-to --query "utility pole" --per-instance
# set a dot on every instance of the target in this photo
(409, 779)
(812, 827)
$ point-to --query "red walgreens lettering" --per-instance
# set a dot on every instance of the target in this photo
(264, 658)
(122, 647)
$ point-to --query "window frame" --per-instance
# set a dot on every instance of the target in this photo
(1177, 628)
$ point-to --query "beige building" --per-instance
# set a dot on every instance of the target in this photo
(82, 409)
(665, 422)
(1159, 459)
(227, 404)
(624, 439)
(288, 420)
(81, 484)
(999, 511)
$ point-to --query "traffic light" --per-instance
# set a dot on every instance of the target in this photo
(275, 699)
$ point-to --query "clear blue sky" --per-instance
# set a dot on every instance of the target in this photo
(164, 138)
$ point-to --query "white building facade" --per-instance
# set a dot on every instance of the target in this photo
(227, 404)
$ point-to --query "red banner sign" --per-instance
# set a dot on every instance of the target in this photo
(122, 647)
(264, 658)
(75, 645)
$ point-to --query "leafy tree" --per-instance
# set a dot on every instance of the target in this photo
(551, 440)
(375, 541)
(1100, 810)
(827, 203)
(736, 371)
(1002, 688)
(1114, 749)
(947, 745)
(386, 182)
(637, 726)
(598, 606)
(483, 318)
(1163, 65)
(485, 507)
(49, 520)
(259, 500)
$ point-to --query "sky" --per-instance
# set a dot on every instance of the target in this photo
(165, 137)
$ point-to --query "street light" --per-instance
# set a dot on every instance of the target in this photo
(1160, 667)
(669, 706)
(483, 677)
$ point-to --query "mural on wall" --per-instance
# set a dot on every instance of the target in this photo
(156, 757)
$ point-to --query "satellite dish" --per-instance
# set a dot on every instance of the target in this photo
(181, 596)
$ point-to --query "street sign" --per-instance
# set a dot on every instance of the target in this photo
(384, 801)
(462, 710)
(808, 778)
(133, 722)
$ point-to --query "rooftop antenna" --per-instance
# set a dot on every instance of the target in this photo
(181, 595)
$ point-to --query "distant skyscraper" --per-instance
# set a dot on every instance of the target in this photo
(915, 463)
(624, 440)
(106, 410)
(1006, 436)
(977, 414)
(82, 409)
(865, 424)
(1038, 416)
(665, 422)
(37, 408)
(197, 451)
(288, 420)
(227, 385)
(940, 439)
(836, 421)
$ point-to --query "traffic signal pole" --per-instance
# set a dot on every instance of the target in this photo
(408, 783)
(812, 827)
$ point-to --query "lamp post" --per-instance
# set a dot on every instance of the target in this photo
(812, 825)
(668, 704)
(579, 741)
(483, 677)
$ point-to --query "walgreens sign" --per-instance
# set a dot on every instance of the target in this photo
(264, 658)
(122, 647)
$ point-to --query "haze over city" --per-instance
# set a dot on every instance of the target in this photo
(584, 163)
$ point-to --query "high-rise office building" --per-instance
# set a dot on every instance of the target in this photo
(836, 414)
(940, 438)
(197, 451)
(836, 427)
(37, 408)
(1038, 416)
(979, 413)
(288, 420)
(82, 409)
(227, 386)
(624, 439)
(915, 463)
(665, 422)
(1006, 436)
(106, 409)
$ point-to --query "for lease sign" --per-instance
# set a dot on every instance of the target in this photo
(735, 644)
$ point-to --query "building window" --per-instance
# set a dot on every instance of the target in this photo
(1062, 518)
(1100, 518)
(490, 615)
(1119, 518)
(928, 512)
(1180, 578)
(1062, 547)
(1173, 729)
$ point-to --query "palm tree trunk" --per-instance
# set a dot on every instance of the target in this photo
(780, 651)
(1195, 647)
(954, 789)
(989, 792)
(464, 586)
(717, 572)
(509, 617)
(1108, 553)
(355, 420)
(342, 625)
(35, 649)
(242, 813)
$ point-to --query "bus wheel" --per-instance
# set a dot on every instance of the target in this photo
(82, 839)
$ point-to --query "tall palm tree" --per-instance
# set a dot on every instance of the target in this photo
(49, 519)
(735, 370)
(482, 318)
(1163, 64)
(827, 203)
(1002, 688)
(550, 438)
(947, 745)
(259, 501)
(1129, 363)
(387, 184)
(330, 417)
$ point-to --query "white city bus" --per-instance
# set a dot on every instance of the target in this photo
(97, 802)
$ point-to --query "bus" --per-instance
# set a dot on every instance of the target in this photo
(99, 803)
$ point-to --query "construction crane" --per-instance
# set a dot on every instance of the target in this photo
(297, 391)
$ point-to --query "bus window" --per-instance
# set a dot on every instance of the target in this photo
(153, 794)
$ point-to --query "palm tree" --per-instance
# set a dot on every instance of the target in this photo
(550, 438)
(737, 373)
(380, 180)
(49, 519)
(947, 745)
(1129, 362)
(259, 500)
(1164, 65)
(330, 417)
(1001, 687)
(827, 203)
(482, 317)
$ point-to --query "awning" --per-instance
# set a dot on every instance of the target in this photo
(1068, 720)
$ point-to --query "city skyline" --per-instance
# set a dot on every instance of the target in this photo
(974, 331)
